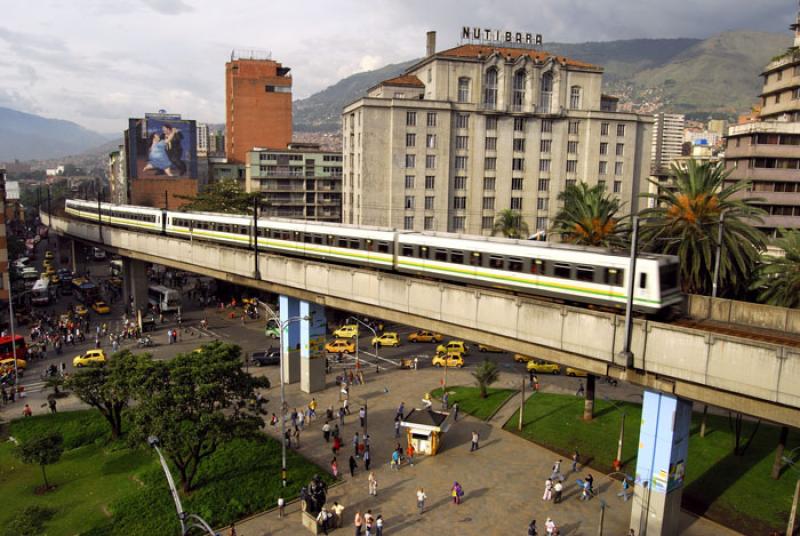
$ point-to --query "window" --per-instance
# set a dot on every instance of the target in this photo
(544, 166)
(490, 87)
(603, 170)
(409, 181)
(620, 130)
(545, 146)
(603, 148)
(618, 168)
(617, 187)
(572, 147)
(430, 161)
(516, 203)
(490, 163)
(408, 222)
(541, 224)
(409, 201)
(488, 183)
(430, 141)
(461, 162)
(431, 119)
(518, 164)
(604, 129)
(573, 127)
(543, 203)
(463, 89)
(428, 223)
(428, 202)
(430, 75)
(572, 166)
(516, 183)
(795, 95)
(642, 280)
(584, 273)
(562, 270)
(460, 183)
(544, 185)
(491, 123)
(411, 140)
(779, 75)
(458, 223)
(546, 93)
(519, 144)
(575, 97)
(411, 119)
(570, 182)
(620, 149)
(518, 84)
(547, 125)
(462, 142)
(602, 184)
(777, 98)
(487, 222)
(519, 124)
(411, 160)
(429, 182)
(462, 121)
(491, 144)
(488, 203)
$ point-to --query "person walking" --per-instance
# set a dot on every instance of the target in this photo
(281, 507)
(421, 500)
(362, 415)
(396, 427)
(358, 522)
(312, 409)
(232, 532)
(353, 466)
(575, 457)
(456, 492)
(401, 411)
(556, 474)
(625, 486)
(367, 459)
(410, 454)
(338, 512)
(558, 489)
(301, 419)
(550, 527)
(335, 467)
(369, 523)
(532, 529)
(373, 484)
(475, 439)
(51, 402)
(395, 460)
(379, 525)
(445, 400)
(337, 444)
(580, 391)
(548, 490)
(355, 443)
(455, 411)
(323, 517)
(326, 432)
(341, 416)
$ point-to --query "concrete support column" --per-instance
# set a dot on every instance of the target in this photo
(661, 464)
(73, 256)
(312, 341)
(290, 308)
(135, 283)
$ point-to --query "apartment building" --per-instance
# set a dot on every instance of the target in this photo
(667, 140)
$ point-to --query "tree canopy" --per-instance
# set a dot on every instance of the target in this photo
(42, 450)
(224, 196)
(778, 281)
(590, 217)
(485, 375)
(510, 224)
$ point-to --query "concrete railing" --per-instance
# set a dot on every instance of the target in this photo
(717, 369)
(745, 314)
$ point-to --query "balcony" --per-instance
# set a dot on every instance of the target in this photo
(492, 107)
(282, 187)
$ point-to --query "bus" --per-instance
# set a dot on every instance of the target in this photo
(29, 277)
(84, 290)
(40, 295)
(164, 298)
(6, 348)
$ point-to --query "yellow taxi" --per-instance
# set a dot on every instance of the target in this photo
(491, 349)
(81, 310)
(346, 332)
(453, 346)
(543, 367)
(9, 363)
(576, 373)
(50, 270)
(340, 346)
(519, 358)
(54, 279)
(48, 255)
(450, 359)
(388, 338)
(95, 356)
(425, 336)
(100, 307)
(47, 263)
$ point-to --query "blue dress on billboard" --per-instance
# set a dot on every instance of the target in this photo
(158, 155)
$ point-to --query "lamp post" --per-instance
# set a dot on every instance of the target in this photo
(194, 520)
(621, 431)
(718, 256)
(273, 317)
(626, 353)
(793, 514)
(374, 334)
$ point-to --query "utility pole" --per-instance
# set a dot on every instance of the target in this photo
(166, 200)
(793, 514)
(719, 254)
(521, 403)
(626, 353)
(255, 236)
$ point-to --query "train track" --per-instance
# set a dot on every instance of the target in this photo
(744, 332)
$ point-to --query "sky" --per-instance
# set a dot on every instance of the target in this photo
(98, 62)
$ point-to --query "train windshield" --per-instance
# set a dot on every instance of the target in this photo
(669, 277)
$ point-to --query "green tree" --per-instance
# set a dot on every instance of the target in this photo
(485, 375)
(510, 224)
(685, 222)
(29, 521)
(109, 389)
(778, 280)
(590, 217)
(43, 450)
(224, 196)
(194, 403)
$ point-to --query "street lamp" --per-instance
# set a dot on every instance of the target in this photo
(618, 460)
(273, 317)
(374, 334)
(793, 515)
(626, 354)
(718, 256)
(194, 520)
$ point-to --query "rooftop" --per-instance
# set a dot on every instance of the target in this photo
(426, 417)
(406, 80)
(484, 51)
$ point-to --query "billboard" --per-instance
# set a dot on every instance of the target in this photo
(162, 146)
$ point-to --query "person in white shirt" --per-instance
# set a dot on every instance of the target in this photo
(421, 500)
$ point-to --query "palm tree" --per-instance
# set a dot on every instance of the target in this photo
(510, 224)
(778, 281)
(485, 375)
(685, 222)
(590, 217)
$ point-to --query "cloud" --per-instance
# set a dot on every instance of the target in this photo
(168, 7)
(10, 98)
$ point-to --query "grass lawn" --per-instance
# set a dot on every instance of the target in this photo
(734, 490)
(470, 401)
(110, 489)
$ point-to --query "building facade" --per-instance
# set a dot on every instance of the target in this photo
(258, 105)
(300, 182)
(5, 282)
(473, 130)
(766, 151)
(667, 140)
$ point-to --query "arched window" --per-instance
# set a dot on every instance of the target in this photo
(575, 97)
(519, 89)
(490, 87)
(546, 93)
(463, 89)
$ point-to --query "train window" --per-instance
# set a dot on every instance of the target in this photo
(475, 259)
(457, 257)
(408, 251)
(318, 239)
(514, 264)
(342, 243)
(614, 277)
(383, 247)
(308, 238)
(370, 245)
(537, 266)
(286, 235)
(642, 280)
(562, 270)
(355, 243)
(423, 252)
(669, 277)
(440, 255)
(496, 262)
(584, 273)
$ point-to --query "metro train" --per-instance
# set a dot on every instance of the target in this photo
(562, 272)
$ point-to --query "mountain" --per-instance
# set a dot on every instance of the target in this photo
(718, 75)
(26, 136)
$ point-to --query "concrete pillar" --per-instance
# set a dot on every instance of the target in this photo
(73, 256)
(134, 284)
(661, 464)
(312, 341)
(289, 308)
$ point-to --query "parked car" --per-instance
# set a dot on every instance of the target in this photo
(267, 357)
(425, 336)
(543, 367)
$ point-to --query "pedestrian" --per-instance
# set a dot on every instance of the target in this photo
(337, 444)
(556, 474)
(293, 417)
(355, 443)
(353, 466)
(326, 432)
(580, 391)
(281, 507)
(323, 517)
(532, 529)
(575, 457)
(550, 527)
(558, 489)
(416, 363)
(312, 408)
(369, 522)
(301, 419)
(395, 463)
(456, 492)
(233, 530)
(410, 454)
(52, 403)
(334, 468)
(625, 486)
(26, 411)
(362, 415)
(358, 522)
(338, 512)
(273, 420)
(548, 490)
(367, 458)
(397, 426)
(455, 411)
(341, 415)
(296, 437)
(445, 399)
(421, 500)
(475, 438)
(373, 484)
(379, 525)
(535, 383)
(401, 410)
(346, 405)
